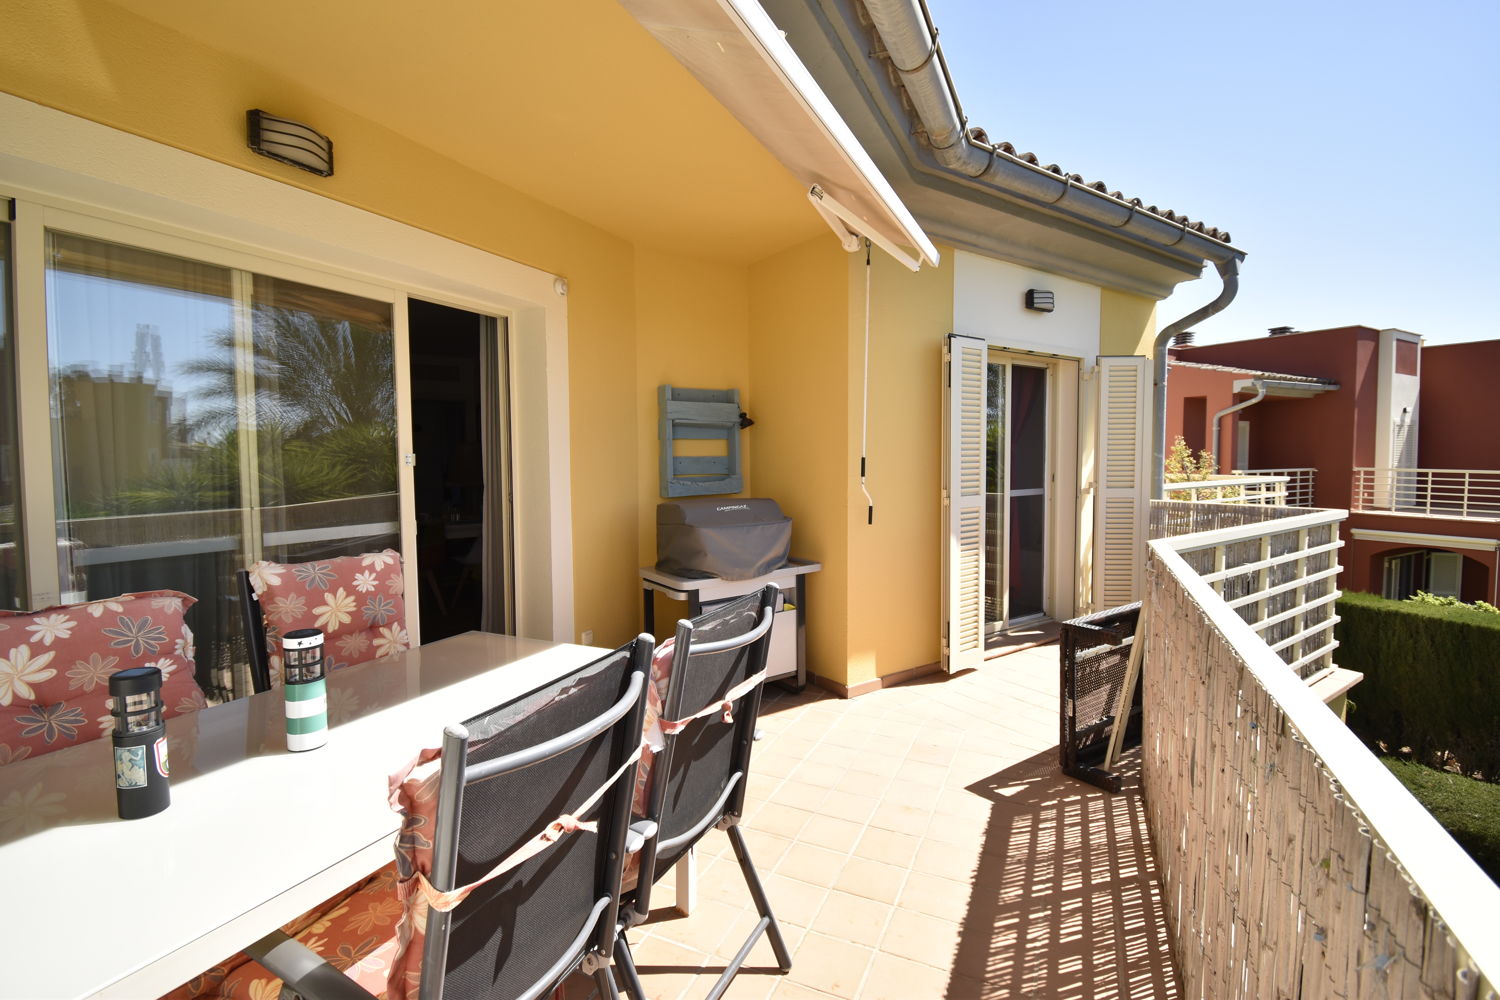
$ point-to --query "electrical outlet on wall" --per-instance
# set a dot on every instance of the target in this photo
(586, 637)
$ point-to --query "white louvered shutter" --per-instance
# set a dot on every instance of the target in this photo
(1123, 481)
(963, 502)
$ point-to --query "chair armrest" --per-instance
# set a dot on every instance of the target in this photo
(303, 970)
(640, 831)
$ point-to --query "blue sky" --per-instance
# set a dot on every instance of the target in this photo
(1350, 149)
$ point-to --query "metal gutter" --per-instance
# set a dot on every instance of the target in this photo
(905, 28)
(1229, 271)
(1260, 393)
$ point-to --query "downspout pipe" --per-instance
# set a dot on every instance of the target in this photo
(1229, 273)
(1260, 393)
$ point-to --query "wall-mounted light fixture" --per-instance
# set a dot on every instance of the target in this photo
(1039, 300)
(290, 142)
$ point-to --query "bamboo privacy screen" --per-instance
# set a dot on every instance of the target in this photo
(1293, 864)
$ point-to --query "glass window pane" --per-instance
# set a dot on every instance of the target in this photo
(1028, 415)
(325, 406)
(146, 431)
(12, 563)
(994, 494)
(1027, 554)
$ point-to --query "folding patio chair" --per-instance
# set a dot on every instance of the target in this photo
(697, 780)
(522, 876)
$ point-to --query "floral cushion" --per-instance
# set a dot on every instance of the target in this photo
(55, 666)
(355, 600)
(354, 931)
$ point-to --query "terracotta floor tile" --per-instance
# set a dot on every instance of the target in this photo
(831, 832)
(831, 965)
(702, 931)
(921, 938)
(935, 896)
(806, 797)
(919, 842)
(946, 860)
(766, 849)
(781, 819)
(793, 900)
(667, 969)
(816, 865)
(901, 818)
(852, 918)
(816, 773)
(871, 879)
(790, 990)
(887, 846)
(895, 978)
(852, 806)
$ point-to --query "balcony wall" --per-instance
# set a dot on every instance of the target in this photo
(1294, 865)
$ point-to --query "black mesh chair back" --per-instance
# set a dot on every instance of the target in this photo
(507, 774)
(698, 778)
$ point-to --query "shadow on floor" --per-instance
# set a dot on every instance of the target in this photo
(1065, 902)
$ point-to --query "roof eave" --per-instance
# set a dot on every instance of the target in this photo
(1040, 223)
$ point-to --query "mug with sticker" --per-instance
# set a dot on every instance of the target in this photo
(140, 743)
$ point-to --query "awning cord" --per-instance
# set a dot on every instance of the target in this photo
(864, 424)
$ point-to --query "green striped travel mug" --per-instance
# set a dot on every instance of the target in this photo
(306, 689)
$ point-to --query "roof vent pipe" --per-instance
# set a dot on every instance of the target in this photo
(1281, 331)
(1184, 339)
(1229, 271)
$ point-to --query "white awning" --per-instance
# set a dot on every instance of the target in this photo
(739, 54)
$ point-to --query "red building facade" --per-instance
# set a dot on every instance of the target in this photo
(1380, 418)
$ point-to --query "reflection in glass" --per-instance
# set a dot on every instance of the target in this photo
(1015, 487)
(206, 418)
(325, 404)
(994, 495)
(147, 489)
(12, 564)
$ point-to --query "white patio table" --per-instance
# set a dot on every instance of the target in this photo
(97, 906)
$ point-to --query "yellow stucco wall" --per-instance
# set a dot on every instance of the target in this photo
(799, 321)
(894, 589)
(873, 610)
(692, 330)
(104, 64)
(1127, 323)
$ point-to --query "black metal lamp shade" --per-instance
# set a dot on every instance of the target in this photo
(1040, 300)
(290, 142)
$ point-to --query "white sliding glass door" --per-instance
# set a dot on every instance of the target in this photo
(1016, 480)
(205, 416)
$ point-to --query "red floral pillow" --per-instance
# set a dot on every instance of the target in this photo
(55, 666)
(355, 600)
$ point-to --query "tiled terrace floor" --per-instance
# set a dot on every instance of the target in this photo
(920, 842)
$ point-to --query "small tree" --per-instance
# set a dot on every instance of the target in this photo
(1182, 467)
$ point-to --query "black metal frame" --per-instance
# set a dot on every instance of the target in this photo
(726, 811)
(592, 947)
(1093, 652)
(255, 633)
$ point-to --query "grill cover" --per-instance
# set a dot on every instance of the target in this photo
(735, 538)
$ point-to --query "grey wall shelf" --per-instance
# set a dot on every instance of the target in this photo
(702, 415)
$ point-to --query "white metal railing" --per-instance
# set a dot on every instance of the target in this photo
(1229, 489)
(1428, 492)
(1299, 483)
(1293, 863)
(1278, 576)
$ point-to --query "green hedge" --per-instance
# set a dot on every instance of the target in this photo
(1468, 809)
(1432, 680)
